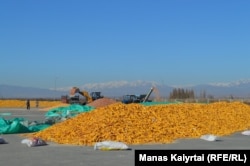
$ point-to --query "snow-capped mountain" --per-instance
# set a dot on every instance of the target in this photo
(245, 82)
(119, 88)
(239, 88)
(9, 91)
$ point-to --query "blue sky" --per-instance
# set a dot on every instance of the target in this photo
(175, 42)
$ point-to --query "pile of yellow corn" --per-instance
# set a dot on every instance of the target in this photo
(138, 124)
(22, 103)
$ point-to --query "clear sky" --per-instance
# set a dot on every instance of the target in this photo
(76, 42)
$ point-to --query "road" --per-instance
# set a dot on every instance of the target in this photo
(14, 153)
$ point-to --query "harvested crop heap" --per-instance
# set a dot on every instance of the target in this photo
(22, 103)
(102, 102)
(138, 124)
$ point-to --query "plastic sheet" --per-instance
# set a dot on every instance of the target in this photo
(69, 111)
(20, 125)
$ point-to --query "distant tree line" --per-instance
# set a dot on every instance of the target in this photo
(180, 93)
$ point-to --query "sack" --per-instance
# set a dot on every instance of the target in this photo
(247, 133)
(2, 141)
(31, 142)
(209, 137)
(110, 145)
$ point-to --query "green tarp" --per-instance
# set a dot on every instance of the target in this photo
(19, 125)
(69, 111)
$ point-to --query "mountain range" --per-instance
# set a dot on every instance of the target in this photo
(237, 89)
